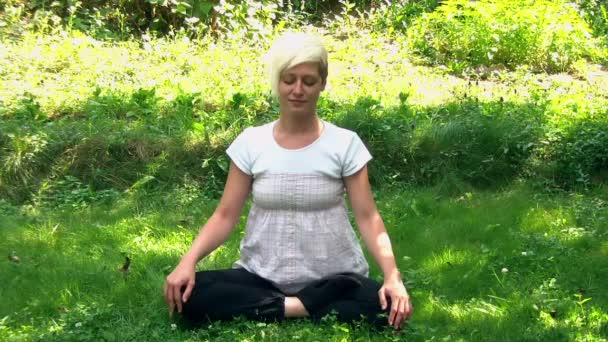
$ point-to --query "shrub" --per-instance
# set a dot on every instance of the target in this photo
(111, 18)
(70, 193)
(577, 152)
(22, 157)
(481, 144)
(124, 139)
(386, 132)
(397, 16)
(546, 35)
(595, 12)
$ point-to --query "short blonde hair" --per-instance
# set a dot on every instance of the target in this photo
(292, 49)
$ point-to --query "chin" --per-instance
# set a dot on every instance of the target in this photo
(303, 111)
(300, 111)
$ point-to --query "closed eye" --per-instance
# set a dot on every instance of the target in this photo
(289, 80)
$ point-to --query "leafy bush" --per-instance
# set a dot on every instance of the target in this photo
(577, 153)
(111, 18)
(386, 132)
(124, 143)
(546, 35)
(22, 157)
(480, 144)
(397, 16)
(595, 12)
(71, 193)
(149, 115)
(460, 144)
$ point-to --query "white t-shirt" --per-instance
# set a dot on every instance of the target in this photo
(298, 228)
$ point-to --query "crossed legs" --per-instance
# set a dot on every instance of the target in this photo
(226, 294)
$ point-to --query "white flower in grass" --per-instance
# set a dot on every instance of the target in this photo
(524, 253)
(504, 270)
(173, 326)
(78, 325)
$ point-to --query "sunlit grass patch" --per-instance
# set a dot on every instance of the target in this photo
(64, 70)
(490, 273)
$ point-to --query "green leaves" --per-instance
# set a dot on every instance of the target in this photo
(462, 34)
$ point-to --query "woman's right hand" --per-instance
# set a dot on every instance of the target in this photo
(183, 275)
(214, 233)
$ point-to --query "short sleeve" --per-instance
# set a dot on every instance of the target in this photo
(239, 152)
(356, 156)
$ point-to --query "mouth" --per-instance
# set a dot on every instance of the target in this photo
(297, 101)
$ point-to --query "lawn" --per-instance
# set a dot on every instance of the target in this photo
(512, 264)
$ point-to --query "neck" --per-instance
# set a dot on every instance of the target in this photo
(298, 125)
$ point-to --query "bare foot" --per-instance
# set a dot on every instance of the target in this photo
(294, 308)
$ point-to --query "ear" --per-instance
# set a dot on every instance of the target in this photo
(323, 84)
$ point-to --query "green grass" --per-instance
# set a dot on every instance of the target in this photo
(451, 250)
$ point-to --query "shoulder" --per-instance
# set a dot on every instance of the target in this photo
(349, 148)
(255, 133)
(338, 133)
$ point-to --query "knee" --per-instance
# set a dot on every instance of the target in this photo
(196, 307)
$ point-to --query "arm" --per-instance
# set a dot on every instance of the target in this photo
(225, 217)
(378, 243)
(212, 235)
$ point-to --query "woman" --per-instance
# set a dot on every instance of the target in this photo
(300, 256)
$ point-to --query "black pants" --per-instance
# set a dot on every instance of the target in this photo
(226, 294)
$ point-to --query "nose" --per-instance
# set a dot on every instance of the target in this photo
(298, 88)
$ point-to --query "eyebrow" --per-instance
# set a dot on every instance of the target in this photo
(306, 76)
(285, 73)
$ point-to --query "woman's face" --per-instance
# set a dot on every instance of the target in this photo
(299, 89)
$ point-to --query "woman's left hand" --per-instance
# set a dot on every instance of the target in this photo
(401, 307)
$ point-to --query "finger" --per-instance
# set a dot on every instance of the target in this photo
(409, 308)
(165, 293)
(394, 308)
(177, 298)
(170, 300)
(382, 299)
(400, 314)
(188, 291)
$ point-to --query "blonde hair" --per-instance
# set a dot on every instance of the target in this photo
(292, 49)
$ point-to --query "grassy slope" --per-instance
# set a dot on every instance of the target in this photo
(114, 113)
(451, 250)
